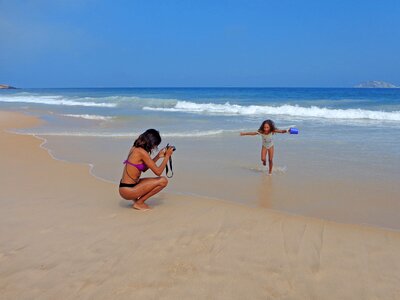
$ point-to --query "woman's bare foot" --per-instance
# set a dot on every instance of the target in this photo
(264, 162)
(140, 206)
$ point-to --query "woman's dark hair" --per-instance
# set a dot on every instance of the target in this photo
(148, 140)
(271, 126)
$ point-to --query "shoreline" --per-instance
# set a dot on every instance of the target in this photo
(74, 236)
(50, 152)
(200, 196)
(369, 199)
(197, 194)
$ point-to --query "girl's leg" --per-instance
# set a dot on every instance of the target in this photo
(146, 188)
(270, 159)
(264, 155)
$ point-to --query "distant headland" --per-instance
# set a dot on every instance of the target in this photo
(5, 86)
(376, 84)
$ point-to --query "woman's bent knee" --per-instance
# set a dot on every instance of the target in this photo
(163, 181)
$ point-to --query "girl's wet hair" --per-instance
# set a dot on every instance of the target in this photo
(271, 126)
(148, 140)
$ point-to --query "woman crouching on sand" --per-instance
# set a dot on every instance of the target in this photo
(131, 187)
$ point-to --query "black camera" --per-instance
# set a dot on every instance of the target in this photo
(168, 146)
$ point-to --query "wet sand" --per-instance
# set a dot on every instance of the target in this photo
(65, 234)
(308, 180)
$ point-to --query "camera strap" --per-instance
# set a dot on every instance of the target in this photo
(170, 167)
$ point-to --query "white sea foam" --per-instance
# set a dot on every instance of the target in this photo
(89, 117)
(53, 100)
(197, 133)
(132, 134)
(264, 169)
(289, 110)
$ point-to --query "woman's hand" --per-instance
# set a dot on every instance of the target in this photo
(162, 152)
(165, 152)
(169, 151)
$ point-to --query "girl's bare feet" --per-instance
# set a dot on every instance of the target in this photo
(140, 206)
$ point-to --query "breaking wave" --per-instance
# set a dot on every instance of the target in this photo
(53, 100)
(289, 110)
(89, 117)
(188, 134)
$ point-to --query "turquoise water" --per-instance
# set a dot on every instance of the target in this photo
(344, 164)
(202, 111)
(359, 124)
(366, 118)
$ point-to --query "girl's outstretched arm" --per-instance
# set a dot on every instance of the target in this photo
(281, 130)
(249, 133)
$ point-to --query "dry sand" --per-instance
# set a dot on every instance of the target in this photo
(67, 235)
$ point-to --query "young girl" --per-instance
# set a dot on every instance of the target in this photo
(266, 130)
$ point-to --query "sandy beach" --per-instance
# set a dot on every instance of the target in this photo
(65, 234)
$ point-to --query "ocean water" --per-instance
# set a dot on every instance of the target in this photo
(343, 165)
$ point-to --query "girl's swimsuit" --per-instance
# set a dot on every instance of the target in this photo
(266, 140)
(140, 167)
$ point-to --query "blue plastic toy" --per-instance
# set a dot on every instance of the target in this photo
(293, 131)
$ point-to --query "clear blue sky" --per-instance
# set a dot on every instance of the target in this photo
(78, 43)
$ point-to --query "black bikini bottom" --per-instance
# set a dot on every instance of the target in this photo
(130, 185)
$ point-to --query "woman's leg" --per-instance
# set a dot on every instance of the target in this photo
(264, 155)
(270, 159)
(146, 188)
(154, 188)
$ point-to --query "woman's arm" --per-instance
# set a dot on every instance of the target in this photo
(157, 157)
(281, 130)
(249, 133)
(151, 163)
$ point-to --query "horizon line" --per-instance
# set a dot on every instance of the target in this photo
(199, 87)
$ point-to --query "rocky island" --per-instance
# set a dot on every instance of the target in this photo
(5, 86)
(376, 84)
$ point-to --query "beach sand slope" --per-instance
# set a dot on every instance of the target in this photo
(67, 235)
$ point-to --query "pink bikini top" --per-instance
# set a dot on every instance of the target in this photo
(140, 167)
